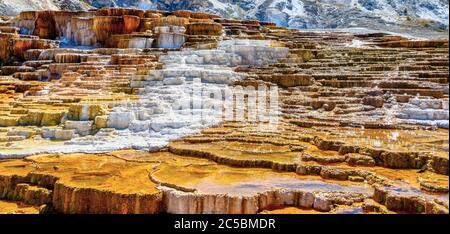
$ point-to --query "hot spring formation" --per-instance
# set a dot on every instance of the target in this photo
(130, 111)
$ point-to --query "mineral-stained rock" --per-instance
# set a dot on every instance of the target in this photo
(82, 128)
(51, 118)
(358, 159)
(182, 13)
(211, 29)
(356, 178)
(130, 41)
(131, 23)
(373, 101)
(45, 25)
(292, 80)
(74, 200)
(120, 12)
(32, 195)
(84, 193)
(433, 186)
(70, 195)
(323, 159)
(105, 26)
(62, 135)
(12, 207)
(165, 21)
(101, 121)
(10, 70)
(354, 113)
(370, 205)
(402, 159)
(14, 45)
(397, 201)
(8, 121)
(85, 111)
(169, 36)
(308, 170)
(5, 49)
(415, 44)
(332, 173)
(82, 32)
(23, 44)
(440, 165)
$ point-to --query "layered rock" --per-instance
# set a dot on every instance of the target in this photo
(169, 37)
(53, 184)
(348, 114)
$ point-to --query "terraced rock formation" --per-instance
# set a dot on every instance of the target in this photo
(129, 111)
(415, 17)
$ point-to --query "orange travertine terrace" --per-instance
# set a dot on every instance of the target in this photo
(84, 97)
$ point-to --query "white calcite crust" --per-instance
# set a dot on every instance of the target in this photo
(426, 111)
(173, 103)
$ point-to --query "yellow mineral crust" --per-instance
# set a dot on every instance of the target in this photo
(83, 183)
(140, 182)
(362, 118)
(126, 181)
(10, 207)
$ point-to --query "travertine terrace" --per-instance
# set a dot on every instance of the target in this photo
(92, 119)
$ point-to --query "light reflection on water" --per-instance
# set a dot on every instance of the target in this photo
(411, 191)
(268, 184)
(353, 210)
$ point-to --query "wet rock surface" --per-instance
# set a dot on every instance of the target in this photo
(99, 114)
